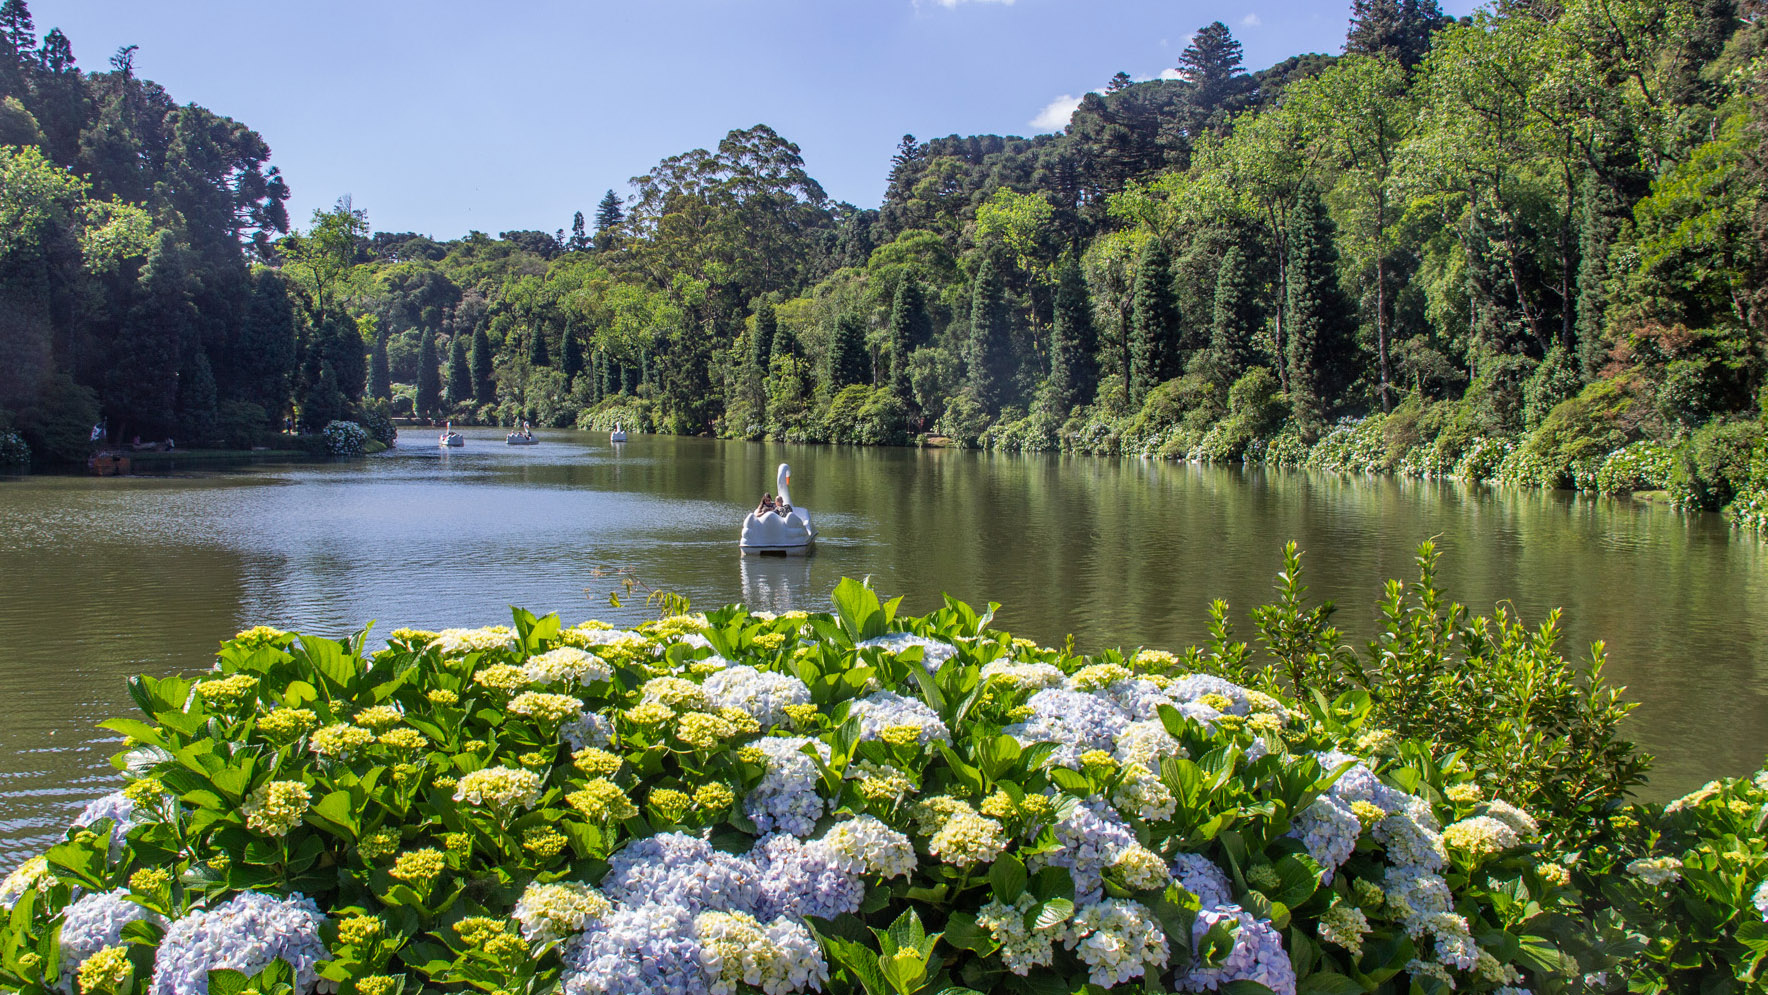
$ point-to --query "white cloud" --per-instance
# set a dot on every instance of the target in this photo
(1054, 116)
(1250, 21)
(1170, 73)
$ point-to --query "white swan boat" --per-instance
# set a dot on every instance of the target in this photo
(772, 534)
(450, 439)
(518, 439)
(618, 435)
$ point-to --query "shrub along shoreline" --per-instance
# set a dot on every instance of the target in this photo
(858, 801)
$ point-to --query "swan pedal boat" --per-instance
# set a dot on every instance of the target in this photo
(453, 440)
(518, 439)
(618, 435)
(770, 534)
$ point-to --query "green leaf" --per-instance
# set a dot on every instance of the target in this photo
(1053, 913)
(1007, 877)
(224, 981)
(1328, 983)
(962, 931)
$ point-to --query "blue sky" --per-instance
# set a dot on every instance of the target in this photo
(441, 116)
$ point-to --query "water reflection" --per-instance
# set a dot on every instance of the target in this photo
(777, 583)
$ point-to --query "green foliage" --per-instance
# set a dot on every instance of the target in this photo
(460, 377)
(433, 790)
(1690, 881)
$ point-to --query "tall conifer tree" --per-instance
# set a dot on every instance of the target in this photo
(991, 340)
(380, 378)
(481, 360)
(570, 355)
(537, 355)
(460, 375)
(849, 361)
(429, 375)
(910, 327)
(1317, 318)
(1154, 323)
(1074, 343)
(1234, 319)
(761, 345)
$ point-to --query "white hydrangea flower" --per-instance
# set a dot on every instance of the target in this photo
(934, 652)
(1023, 947)
(968, 838)
(566, 665)
(1144, 795)
(868, 846)
(1760, 900)
(33, 873)
(1023, 676)
(778, 958)
(500, 788)
(548, 912)
(763, 694)
(1517, 819)
(459, 642)
(1656, 871)
(1147, 743)
(1481, 835)
(883, 710)
(1118, 939)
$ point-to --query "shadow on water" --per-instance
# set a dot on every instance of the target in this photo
(103, 578)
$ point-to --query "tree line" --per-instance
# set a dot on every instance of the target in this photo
(1543, 218)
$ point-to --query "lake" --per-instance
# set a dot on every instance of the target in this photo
(104, 578)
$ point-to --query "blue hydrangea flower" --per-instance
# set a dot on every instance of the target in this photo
(786, 799)
(800, 879)
(117, 807)
(1200, 876)
(680, 870)
(882, 709)
(1330, 830)
(1091, 835)
(1074, 720)
(1258, 954)
(648, 949)
(244, 934)
(94, 922)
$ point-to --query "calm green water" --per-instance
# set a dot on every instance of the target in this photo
(104, 578)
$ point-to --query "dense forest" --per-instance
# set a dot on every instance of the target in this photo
(1527, 246)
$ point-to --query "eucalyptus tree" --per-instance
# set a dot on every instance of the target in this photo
(1360, 113)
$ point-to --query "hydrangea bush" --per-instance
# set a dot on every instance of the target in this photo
(847, 802)
(345, 438)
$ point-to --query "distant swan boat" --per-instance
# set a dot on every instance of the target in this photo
(772, 534)
(618, 435)
(450, 438)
